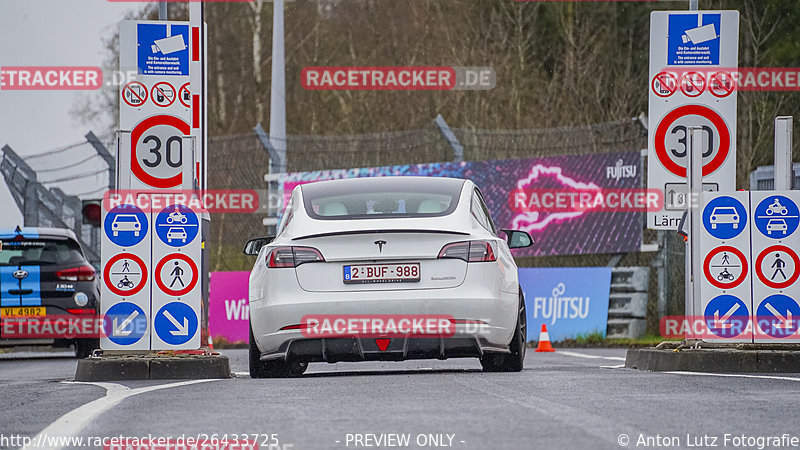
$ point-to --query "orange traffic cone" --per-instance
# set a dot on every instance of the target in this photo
(544, 341)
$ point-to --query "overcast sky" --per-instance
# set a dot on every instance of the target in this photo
(48, 33)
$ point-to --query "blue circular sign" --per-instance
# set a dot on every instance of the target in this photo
(724, 217)
(177, 225)
(778, 316)
(175, 323)
(726, 316)
(776, 217)
(125, 323)
(125, 225)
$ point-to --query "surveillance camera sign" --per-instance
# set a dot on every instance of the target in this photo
(694, 39)
(692, 54)
(163, 49)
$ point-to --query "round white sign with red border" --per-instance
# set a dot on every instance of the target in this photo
(125, 274)
(176, 274)
(134, 94)
(666, 125)
(185, 96)
(664, 84)
(693, 84)
(725, 267)
(163, 94)
(778, 266)
(721, 84)
(156, 148)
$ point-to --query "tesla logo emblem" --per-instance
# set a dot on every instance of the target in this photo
(20, 274)
(380, 245)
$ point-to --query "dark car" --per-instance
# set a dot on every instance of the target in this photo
(45, 275)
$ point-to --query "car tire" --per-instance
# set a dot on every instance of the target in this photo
(514, 361)
(85, 347)
(275, 368)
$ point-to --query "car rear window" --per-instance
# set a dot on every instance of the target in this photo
(385, 199)
(39, 252)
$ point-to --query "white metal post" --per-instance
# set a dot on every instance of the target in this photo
(162, 10)
(693, 5)
(694, 185)
(277, 100)
(783, 153)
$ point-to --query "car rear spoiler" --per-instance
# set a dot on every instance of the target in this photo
(379, 231)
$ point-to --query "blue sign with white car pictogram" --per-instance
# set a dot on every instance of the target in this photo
(125, 225)
(776, 217)
(176, 225)
(724, 217)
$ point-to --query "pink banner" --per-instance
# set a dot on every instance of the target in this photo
(229, 309)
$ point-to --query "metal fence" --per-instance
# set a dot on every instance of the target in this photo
(48, 186)
(241, 161)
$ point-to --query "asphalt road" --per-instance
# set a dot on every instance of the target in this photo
(572, 399)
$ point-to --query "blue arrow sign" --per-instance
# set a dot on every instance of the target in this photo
(175, 323)
(724, 217)
(778, 316)
(177, 225)
(125, 323)
(125, 225)
(726, 316)
(776, 217)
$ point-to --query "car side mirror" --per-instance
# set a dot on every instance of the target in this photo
(518, 239)
(253, 246)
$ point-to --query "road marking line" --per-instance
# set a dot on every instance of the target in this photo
(619, 366)
(584, 355)
(741, 375)
(74, 421)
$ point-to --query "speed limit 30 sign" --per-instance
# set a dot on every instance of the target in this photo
(681, 97)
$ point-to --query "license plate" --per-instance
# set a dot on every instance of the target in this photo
(381, 273)
(25, 311)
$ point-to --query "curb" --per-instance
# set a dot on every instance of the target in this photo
(714, 360)
(117, 368)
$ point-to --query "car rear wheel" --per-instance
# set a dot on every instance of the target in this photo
(85, 347)
(510, 362)
(275, 368)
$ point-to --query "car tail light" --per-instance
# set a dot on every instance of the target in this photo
(80, 310)
(82, 273)
(469, 251)
(292, 256)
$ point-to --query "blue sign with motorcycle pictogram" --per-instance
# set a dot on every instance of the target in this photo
(724, 217)
(776, 217)
(726, 316)
(177, 225)
(778, 316)
(125, 225)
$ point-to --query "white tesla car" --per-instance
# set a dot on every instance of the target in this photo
(389, 268)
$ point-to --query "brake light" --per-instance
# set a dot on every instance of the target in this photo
(82, 273)
(279, 257)
(80, 310)
(469, 251)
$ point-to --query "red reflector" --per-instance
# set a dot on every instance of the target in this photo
(80, 310)
(383, 343)
(299, 326)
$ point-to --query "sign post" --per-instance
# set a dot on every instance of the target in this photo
(152, 255)
(776, 242)
(784, 175)
(691, 54)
